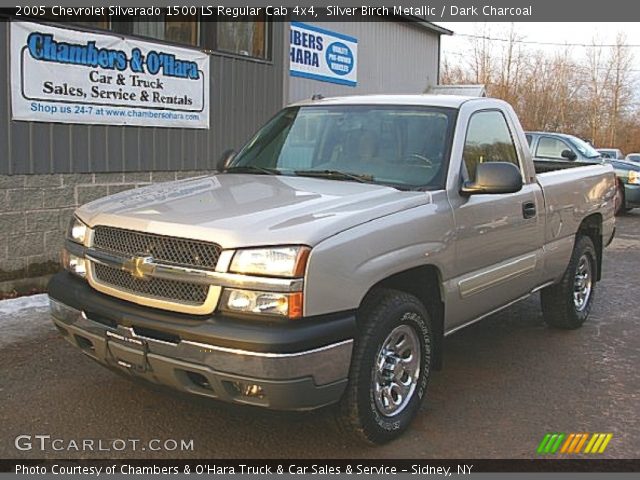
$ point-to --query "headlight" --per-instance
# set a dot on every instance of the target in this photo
(249, 301)
(634, 177)
(272, 262)
(74, 264)
(77, 231)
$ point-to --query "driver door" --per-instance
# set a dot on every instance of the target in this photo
(499, 237)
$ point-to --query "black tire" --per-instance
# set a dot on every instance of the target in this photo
(559, 305)
(619, 200)
(385, 312)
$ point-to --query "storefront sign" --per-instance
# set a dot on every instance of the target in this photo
(322, 55)
(71, 76)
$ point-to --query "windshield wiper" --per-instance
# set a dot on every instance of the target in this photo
(253, 169)
(335, 175)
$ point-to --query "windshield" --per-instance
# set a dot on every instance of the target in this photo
(584, 148)
(392, 145)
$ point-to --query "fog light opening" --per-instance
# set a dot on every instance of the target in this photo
(250, 390)
(199, 380)
(84, 343)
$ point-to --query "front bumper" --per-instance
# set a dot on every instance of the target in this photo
(631, 196)
(298, 365)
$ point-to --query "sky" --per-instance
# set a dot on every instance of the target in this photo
(555, 32)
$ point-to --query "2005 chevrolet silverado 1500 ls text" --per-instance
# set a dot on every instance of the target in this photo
(331, 257)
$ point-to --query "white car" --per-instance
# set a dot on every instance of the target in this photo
(633, 157)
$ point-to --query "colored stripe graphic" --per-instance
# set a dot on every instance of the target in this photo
(543, 443)
(550, 443)
(582, 442)
(556, 445)
(572, 443)
(567, 443)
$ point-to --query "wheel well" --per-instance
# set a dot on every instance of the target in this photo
(592, 228)
(424, 283)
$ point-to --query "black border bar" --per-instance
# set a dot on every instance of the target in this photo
(403, 466)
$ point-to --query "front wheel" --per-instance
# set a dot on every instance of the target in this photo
(390, 367)
(567, 304)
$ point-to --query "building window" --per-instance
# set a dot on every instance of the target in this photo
(181, 29)
(101, 22)
(248, 38)
(243, 38)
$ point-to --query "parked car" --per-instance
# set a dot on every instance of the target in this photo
(558, 150)
(611, 153)
(628, 173)
(633, 157)
(331, 257)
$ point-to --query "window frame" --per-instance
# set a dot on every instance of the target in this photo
(520, 165)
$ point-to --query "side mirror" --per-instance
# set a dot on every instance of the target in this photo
(225, 159)
(568, 154)
(494, 177)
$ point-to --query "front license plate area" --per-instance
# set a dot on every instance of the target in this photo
(129, 353)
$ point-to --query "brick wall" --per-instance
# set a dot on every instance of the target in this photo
(35, 212)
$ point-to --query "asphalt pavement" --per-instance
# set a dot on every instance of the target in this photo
(506, 382)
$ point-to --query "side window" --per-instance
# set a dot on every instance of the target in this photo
(549, 147)
(529, 139)
(488, 140)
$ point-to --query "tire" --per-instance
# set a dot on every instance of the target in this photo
(376, 408)
(562, 305)
(619, 200)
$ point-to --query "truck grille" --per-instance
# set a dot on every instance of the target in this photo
(163, 249)
(160, 288)
(177, 251)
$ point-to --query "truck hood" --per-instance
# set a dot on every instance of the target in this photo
(240, 210)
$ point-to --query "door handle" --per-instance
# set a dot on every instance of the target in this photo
(528, 209)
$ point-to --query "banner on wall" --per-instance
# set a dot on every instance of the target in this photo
(323, 55)
(71, 76)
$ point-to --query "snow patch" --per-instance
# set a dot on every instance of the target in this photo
(14, 305)
(24, 317)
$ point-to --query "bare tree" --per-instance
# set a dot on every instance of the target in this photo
(621, 84)
(593, 98)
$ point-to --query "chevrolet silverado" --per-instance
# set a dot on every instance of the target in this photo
(328, 259)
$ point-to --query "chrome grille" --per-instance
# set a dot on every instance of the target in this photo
(177, 251)
(160, 288)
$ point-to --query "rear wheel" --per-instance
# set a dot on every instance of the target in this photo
(567, 304)
(390, 367)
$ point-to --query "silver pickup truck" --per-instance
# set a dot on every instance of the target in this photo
(331, 257)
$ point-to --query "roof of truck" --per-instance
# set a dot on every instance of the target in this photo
(450, 101)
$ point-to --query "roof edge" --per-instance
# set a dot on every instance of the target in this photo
(428, 25)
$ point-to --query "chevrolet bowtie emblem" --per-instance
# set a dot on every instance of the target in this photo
(140, 267)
